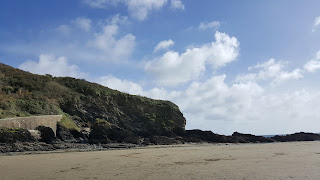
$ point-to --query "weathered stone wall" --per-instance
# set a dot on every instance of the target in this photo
(32, 122)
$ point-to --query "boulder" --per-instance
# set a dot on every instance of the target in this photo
(64, 134)
(47, 134)
(12, 135)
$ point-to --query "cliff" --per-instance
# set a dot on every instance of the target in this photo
(84, 104)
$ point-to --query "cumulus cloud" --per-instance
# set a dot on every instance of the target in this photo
(64, 29)
(138, 9)
(80, 22)
(83, 23)
(163, 45)
(316, 24)
(177, 4)
(172, 68)
(272, 71)
(113, 48)
(314, 64)
(49, 64)
(121, 85)
(209, 25)
(131, 87)
(248, 107)
(83, 39)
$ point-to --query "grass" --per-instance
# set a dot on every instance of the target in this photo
(68, 123)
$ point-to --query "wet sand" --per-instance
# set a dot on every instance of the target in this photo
(296, 160)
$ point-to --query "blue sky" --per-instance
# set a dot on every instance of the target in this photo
(248, 66)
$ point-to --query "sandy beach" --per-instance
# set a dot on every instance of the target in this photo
(296, 160)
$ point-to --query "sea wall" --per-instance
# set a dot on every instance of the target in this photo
(32, 122)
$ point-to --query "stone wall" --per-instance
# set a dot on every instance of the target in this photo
(32, 122)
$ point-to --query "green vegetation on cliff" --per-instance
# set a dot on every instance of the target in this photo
(85, 104)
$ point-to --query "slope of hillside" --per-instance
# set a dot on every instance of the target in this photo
(85, 104)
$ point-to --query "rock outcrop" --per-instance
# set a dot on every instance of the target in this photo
(249, 138)
(301, 136)
(13, 135)
(85, 103)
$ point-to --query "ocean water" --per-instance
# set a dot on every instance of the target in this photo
(268, 136)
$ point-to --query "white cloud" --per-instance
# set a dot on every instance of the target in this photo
(313, 65)
(49, 64)
(97, 3)
(248, 107)
(316, 24)
(177, 4)
(163, 45)
(172, 68)
(84, 40)
(113, 48)
(271, 71)
(64, 29)
(121, 85)
(83, 23)
(138, 9)
(80, 22)
(211, 25)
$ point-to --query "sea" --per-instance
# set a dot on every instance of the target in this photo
(269, 136)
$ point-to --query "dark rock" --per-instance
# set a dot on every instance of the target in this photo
(249, 138)
(12, 135)
(64, 134)
(104, 132)
(118, 146)
(197, 135)
(164, 140)
(47, 134)
(146, 141)
(302, 136)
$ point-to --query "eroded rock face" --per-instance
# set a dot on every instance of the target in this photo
(47, 135)
(12, 135)
(302, 136)
(64, 134)
(247, 138)
(104, 132)
(197, 135)
(164, 140)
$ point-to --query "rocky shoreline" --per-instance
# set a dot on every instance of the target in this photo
(41, 147)
(190, 136)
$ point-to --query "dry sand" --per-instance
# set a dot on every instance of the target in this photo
(297, 160)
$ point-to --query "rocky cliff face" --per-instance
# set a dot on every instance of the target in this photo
(86, 104)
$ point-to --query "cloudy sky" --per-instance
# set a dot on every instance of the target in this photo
(247, 66)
